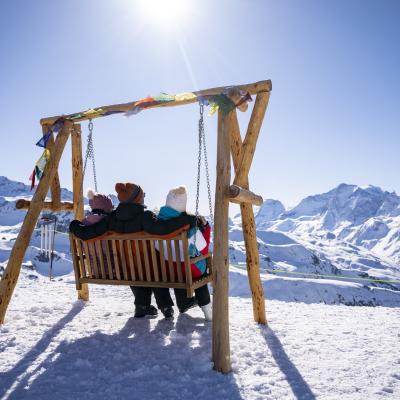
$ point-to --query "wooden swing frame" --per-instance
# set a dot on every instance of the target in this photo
(229, 143)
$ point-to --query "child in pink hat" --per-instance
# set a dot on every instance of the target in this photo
(100, 204)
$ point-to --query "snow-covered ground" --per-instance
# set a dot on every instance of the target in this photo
(55, 347)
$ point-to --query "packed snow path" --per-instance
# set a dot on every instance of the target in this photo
(54, 347)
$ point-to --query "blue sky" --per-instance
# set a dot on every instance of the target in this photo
(333, 115)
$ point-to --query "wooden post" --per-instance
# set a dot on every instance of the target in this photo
(77, 177)
(249, 232)
(55, 183)
(11, 274)
(221, 347)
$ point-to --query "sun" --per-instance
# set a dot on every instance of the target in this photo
(166, 13)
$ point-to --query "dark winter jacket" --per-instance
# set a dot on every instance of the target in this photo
(130, 218)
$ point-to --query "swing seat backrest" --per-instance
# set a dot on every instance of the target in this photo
(138, 259)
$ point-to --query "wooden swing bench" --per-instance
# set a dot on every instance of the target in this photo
(138, 259)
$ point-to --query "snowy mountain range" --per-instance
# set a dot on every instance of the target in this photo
(349, 232)
(363, 220)
(364, 216)
(346, 234)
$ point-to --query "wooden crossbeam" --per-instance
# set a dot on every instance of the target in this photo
(240, 195)
(250, 140)
(249, 231)
(11, 274)
(22, 204)
(252, 88)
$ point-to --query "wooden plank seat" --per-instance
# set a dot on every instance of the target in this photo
(138, 259)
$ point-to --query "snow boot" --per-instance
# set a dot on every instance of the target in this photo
(207, 310)
(192, 302)
(142, 311)
(168, 312)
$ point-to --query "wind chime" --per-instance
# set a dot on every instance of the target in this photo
(47, 236)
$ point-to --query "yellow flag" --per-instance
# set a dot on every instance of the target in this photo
(185, 96)
(93, 113)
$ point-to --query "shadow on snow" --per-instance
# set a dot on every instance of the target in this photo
(168, 362)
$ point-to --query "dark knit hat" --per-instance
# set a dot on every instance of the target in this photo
(129, 193)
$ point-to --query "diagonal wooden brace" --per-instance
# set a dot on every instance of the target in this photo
(11, 274)
(250, 141)
(249, 231)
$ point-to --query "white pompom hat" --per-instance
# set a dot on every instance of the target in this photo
(177, 198)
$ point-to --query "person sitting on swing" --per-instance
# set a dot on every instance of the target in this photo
(101, 206)
(130, 216)
(199, 240)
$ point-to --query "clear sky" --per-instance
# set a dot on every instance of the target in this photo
(334, 110)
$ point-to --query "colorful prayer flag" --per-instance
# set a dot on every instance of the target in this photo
(111, 112)
(92, 113)
(41, 163)
(164, 98)
(32, 179)
(44, 139)
(221, 102)
(58, 125)
(185, 96)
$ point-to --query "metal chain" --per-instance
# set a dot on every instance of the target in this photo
(90, 150)
(203, 146)
(90, 154)
(201, 129)
(207, 177)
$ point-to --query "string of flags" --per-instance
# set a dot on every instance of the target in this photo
(230, 98)
(226, 101)
(38, 170)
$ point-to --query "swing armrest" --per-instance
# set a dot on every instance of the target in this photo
(194, 260)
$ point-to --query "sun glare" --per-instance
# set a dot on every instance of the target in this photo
(166, 13)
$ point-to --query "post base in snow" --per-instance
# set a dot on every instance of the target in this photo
(223, 369)
(83, 293)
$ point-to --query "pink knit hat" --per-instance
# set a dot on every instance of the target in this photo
(99, 201)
